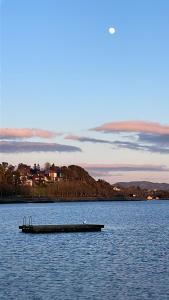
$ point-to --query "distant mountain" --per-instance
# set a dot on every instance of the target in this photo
(145, 185)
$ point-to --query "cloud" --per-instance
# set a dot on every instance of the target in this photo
(160, 139)
(102, 174)
(142, 147)
(20, 133)
(86, 139)
(144, 142)
(133, 126)
(149, 136)
(17, 147)
(126, 167)
(115, 172)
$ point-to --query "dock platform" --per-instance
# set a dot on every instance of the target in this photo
(60, 228)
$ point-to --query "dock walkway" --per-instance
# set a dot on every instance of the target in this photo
(60, 228)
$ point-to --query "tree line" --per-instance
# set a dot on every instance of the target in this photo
(75, 183)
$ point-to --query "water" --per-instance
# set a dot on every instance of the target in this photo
(129, 259)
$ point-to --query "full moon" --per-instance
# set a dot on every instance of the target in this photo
(112, 30)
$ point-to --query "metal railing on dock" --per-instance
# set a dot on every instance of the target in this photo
(29, 221)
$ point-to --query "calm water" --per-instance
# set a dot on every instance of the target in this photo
(128, 260)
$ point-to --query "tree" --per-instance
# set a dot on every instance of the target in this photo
(47, 165)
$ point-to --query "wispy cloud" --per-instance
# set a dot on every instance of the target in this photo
(125, 168)
(160, 139)
(141, 147)
(133, 126)
(148, 136)
(86, 139)
(20, 133)
(105, 170)
(17, 147)
(143, 142)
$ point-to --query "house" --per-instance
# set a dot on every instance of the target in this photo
(29, 182)
(24, 172)
(115, 188)
(30, 176)
(54, 173)
(149, 197)
(132, 195)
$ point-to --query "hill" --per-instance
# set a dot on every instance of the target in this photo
(24, 183)
(145, 185)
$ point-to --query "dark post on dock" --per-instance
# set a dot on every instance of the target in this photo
(29, 228)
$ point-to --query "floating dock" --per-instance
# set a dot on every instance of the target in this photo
(60, 228)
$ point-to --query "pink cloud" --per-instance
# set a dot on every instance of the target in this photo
(134, 126)
(72, 137)
(13, 133)
(125, 167)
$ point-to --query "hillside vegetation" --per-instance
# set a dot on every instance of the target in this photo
(69, 183)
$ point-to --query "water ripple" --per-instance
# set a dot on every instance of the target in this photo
(127, 260)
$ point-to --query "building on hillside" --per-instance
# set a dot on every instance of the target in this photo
(24, 172)
(117, 189)
(29, 182)
(149, 197)
(54, 174)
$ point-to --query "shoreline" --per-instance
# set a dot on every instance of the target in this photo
(40, 200)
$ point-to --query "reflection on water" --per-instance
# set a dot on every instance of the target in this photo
(127, 260)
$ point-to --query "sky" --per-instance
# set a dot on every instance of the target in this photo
(72, 93)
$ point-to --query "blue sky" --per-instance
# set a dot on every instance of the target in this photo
(63, 72)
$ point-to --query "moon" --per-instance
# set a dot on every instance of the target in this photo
(112, 30)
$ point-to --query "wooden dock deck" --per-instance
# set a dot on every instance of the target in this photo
(60, 228)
